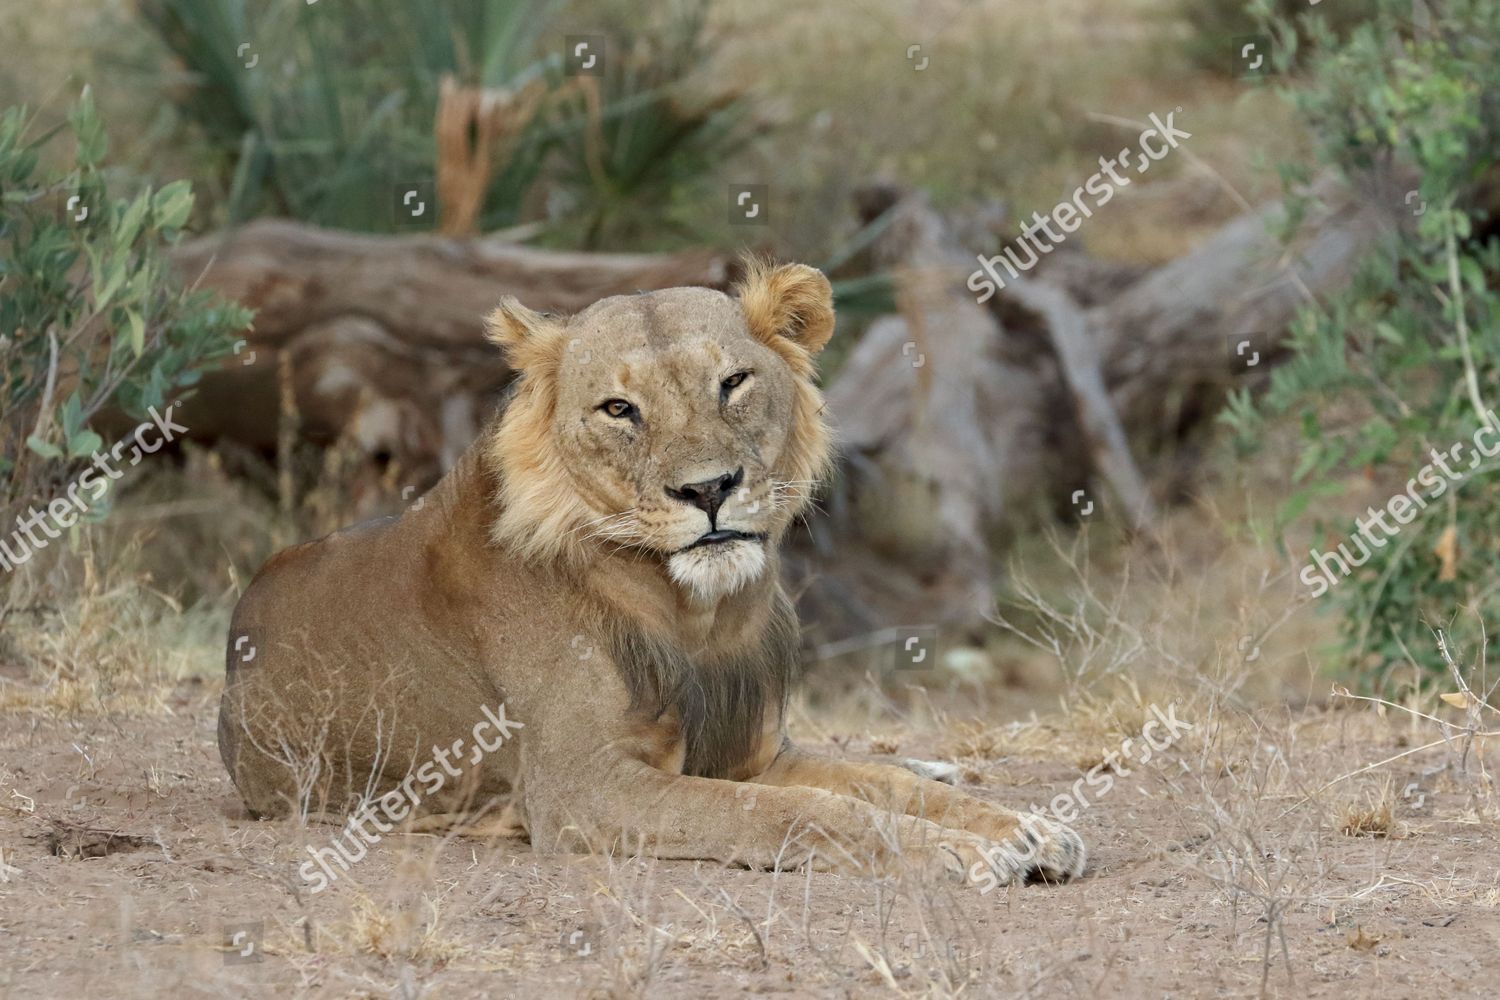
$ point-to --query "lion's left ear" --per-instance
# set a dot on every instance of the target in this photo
(792, 302)
(527, 337)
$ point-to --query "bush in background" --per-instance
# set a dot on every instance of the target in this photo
(322, 112)
(1416, 340)
(319, 112)
(90, 319)
(653, 149)
(1215, 25)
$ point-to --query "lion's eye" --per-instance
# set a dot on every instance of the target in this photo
(618, 408)
(734, 381)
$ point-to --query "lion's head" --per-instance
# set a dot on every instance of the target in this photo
(683, 424)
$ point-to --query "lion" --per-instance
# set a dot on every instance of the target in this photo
(602, 564)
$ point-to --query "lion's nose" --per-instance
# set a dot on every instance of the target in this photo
(710, 494)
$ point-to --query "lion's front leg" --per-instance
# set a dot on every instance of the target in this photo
(630, 806)
(1028, 844)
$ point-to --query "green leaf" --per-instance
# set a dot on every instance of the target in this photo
(84, 443)
(88, 131)
(43, 448)
(173, 204)
(114, 276)
(1312, 457)
(70, 415)
(130, 224)
(1294, 507)
(1473, 274)
(137, 324)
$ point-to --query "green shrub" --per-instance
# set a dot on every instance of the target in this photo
(319, 112)
(1215, 25)
(641, 168)
(338, 109)
(1415, 341)
(90, 319)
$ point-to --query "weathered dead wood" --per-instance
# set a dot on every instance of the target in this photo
(432, 290)
(929, 415)
(1172, 336)
(385, 332)
(958, 421)
(1076, 350)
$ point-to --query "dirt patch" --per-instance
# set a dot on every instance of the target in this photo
(65, 840)
(130, 869)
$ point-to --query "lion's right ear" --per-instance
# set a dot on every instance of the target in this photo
(528, 338)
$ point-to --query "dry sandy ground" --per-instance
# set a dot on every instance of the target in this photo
(1209, 875)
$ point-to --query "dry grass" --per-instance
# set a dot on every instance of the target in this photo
(1372, 816)
(409, 933)
(113, 645)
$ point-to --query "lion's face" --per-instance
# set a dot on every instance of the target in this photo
(682, 424)
(673, 418)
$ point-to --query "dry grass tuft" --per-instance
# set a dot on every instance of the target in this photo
(408, 933)
(1373, 816)
(111, 645)
(1360, 941)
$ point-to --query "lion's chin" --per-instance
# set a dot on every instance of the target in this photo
(713, 572)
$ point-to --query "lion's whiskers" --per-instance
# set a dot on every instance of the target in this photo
(787, 493)
(615, 527)
(585, 524)
(601, 522)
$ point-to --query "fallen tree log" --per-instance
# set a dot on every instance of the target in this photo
(957, 420)
(383, 333)
(1079, 362)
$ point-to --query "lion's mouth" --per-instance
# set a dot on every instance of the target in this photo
(722, 535)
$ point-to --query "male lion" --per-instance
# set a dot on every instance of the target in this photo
(602, 563)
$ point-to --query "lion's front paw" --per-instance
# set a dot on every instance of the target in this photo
(1035, 847)
(1061, 854)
